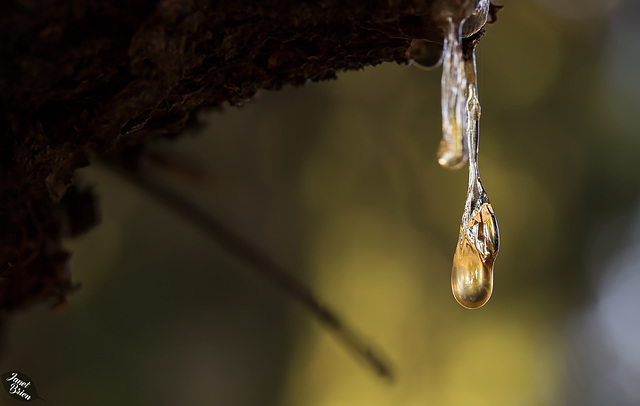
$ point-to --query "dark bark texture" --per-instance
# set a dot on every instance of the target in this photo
(80, 78)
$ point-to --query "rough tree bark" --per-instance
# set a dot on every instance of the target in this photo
(79, 78)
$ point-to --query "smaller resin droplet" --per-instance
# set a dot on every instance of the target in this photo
(452, 153)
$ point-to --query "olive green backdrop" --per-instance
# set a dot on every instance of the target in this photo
(339, 182)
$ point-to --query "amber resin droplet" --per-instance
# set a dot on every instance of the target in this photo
(472, 273)
(479, 240)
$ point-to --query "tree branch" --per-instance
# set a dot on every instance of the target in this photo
(259, 261)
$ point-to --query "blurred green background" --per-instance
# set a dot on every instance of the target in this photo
(339, 182)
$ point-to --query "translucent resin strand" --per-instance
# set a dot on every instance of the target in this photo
(479, 240)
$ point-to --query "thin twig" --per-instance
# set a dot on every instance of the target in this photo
(263, 264)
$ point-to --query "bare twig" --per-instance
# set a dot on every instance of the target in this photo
(259, 261)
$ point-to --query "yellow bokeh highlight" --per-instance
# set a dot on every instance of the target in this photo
(374, 269)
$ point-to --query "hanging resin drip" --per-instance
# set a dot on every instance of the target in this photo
(452, 152)
(479, 240)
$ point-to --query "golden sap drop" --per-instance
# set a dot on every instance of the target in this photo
(472, 272)
(471, 279)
